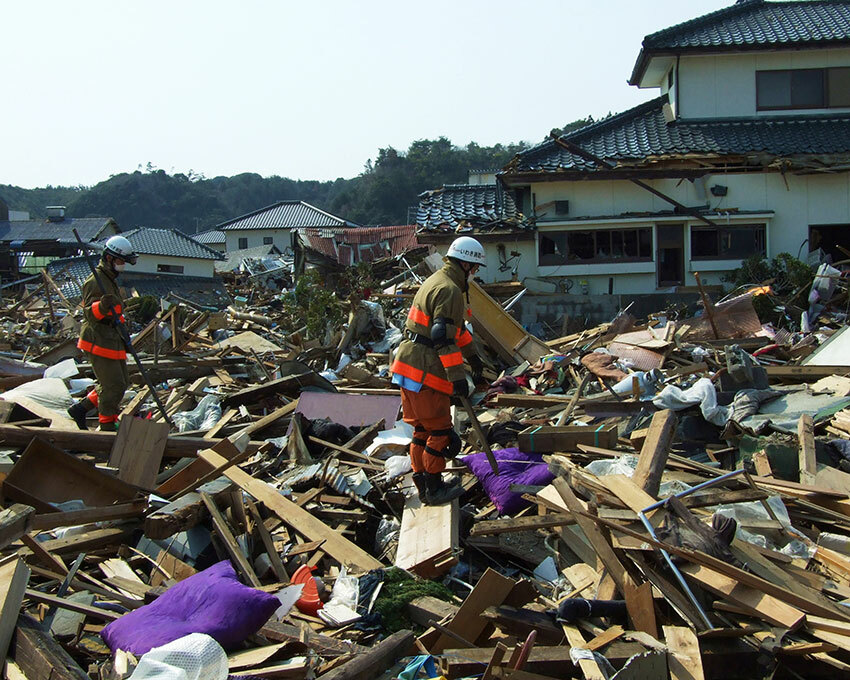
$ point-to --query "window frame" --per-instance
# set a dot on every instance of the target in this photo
(760, 226)
(825, 80)
(162, 268)
(268, 240)
(240, 241)
(649, 257)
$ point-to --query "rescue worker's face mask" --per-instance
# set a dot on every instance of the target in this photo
(118, 265)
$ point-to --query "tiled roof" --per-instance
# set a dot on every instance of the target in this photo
(753, 24)
(642, 132)
(211, 237)
(285, 215)
(169, 242)
(361, 244)
(474, 205)
(89, 229)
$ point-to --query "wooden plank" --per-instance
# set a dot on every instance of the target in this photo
(641, 607)
(762, 464)
(137, 450)
(806, 436)
(236, 556)
(604, 638)
(491, 590)
(189, 477)
(268, 543)
(64, 603)
(546, 439)
(336, 545)
(77, 543)
(766, 607)
(513, 524)
(429, 537)
(15, 521)
(39, 656)
(586, 662)
(134, 403)
(374, 661)
(54, 520)
(14, 576)
(654, 452)
(229, 415)
(426, 609)
(683, 654)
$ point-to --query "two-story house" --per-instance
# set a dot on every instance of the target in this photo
(746, 149)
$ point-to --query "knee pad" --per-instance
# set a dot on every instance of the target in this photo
(452, 448)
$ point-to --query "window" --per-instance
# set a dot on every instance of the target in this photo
(267, 240)
(595, 246)
(562, 207)
(243, 243)
(170, 268)
(806, 88)
(728, 242)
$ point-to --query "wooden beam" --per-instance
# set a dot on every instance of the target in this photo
(683, 654)
(39, 656)
(654, 452)
(336, 545)
(233, 550)
(14, 576)
(806, 436)
(373, 662)
(527, 523)
(15, 521)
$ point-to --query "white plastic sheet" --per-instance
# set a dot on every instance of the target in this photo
(192, 657)
(701, 392)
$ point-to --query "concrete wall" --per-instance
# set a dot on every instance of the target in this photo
(191, 266)
(280, 237)
(724, 85)
(797, 201)
(525, 263)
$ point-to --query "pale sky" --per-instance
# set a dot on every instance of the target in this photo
(306, 90)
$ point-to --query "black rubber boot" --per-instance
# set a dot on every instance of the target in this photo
(78, 412)
(108, 427)
(420, 479)
(440, 493)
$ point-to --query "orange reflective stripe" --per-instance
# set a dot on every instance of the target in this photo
(99, 351)
(453, 359)
(438, 384)
(107, 419)
(463, 338)
(96, 310)
(418, 316)
(407, 371)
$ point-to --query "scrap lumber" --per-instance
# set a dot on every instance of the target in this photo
(14, 576)
(654, 452)
(323, 645)
(229, 541)
(137, 450)
(376, 660)
(336, 545)
(806, 435)
(429, 537)
(683, 654)
(14, 522)
(184, 512)
(39, 656)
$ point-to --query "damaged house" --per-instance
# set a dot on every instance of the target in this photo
(744, 151)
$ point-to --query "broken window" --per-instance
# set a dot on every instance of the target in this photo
(729, 242)
(595, 246)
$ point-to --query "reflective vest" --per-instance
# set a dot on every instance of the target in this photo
(98, 334)
(417, 365)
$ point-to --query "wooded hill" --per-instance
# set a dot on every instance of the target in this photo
(381, 194)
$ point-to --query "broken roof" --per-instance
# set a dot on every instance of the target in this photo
(169, 242)
(752, 24)
(233, 259)
(362, 244)
(285, 215)
(642, 133)
(466, 207)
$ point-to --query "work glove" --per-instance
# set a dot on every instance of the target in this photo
(477, 368)
(461, 388)
(108, 302)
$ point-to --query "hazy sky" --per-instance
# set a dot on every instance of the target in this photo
(307, 90)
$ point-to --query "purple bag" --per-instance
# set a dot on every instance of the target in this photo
(515, 467)
(212, 601)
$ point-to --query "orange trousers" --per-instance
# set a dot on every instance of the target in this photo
(430, 414)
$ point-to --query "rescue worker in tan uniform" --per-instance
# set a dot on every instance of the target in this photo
(100, 339)
(429, 368)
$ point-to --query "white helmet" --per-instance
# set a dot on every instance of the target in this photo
(119, 246)
(467, 249)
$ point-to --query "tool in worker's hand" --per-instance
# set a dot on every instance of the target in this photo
(481, 438)
(122, 330)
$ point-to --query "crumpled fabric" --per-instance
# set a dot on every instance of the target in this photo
(507, 384)
(702, 392)
(748, 402)
(601, 365)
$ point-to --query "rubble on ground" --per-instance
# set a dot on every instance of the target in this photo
(671, 497)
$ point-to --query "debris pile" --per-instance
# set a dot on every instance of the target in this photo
(670, 496)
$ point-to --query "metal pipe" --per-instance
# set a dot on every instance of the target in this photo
(667, 558)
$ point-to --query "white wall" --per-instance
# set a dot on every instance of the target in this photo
(797, 201)
(191, 267)
(280, 237)
(724, 85)
(525, 263)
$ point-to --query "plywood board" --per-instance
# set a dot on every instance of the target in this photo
(138, 449)
(683, 654)
(14, 576)
(429, 537)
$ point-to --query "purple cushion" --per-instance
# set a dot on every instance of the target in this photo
(515, 467)
(212, 601)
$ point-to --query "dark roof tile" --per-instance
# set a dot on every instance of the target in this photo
(477, 205)
(169, 242)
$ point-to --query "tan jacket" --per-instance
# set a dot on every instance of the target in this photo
(98, 334)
